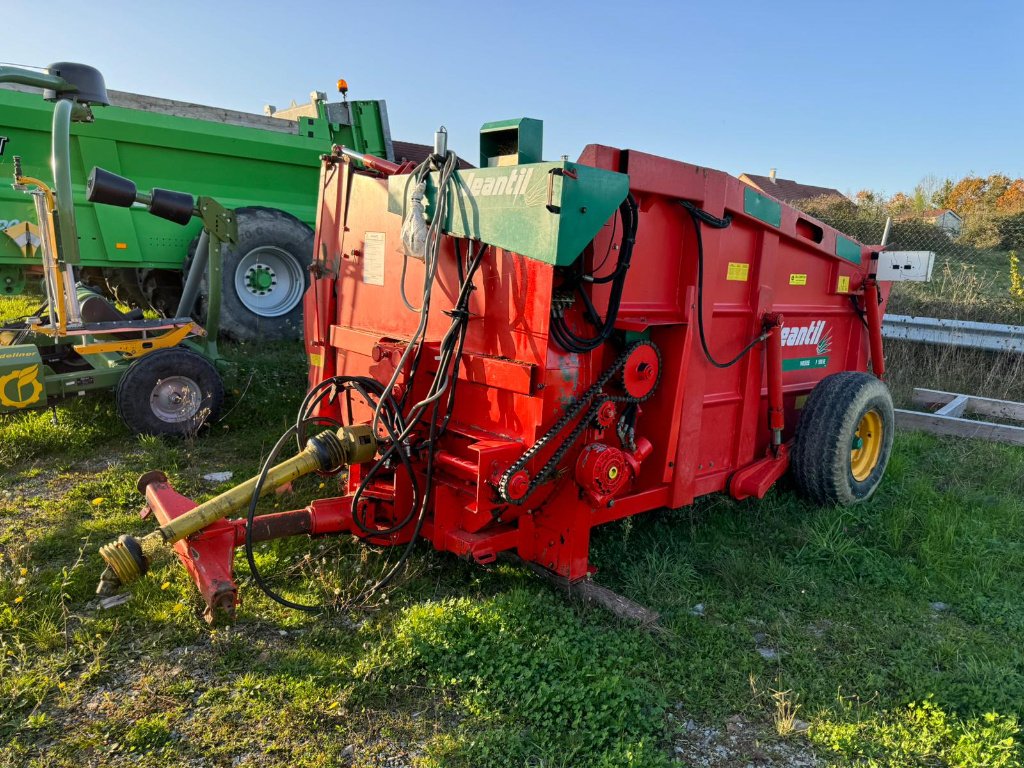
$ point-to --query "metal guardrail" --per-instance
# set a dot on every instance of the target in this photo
(955, 333)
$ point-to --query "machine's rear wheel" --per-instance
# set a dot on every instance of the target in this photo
(265, 276)
(844, 439)
(169, 392)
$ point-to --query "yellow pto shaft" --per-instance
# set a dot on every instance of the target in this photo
(128, 558)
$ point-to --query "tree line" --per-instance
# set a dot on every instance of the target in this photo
(991, 207)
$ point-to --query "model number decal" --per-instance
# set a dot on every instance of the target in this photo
(3, 143)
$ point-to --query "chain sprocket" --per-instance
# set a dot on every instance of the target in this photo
(595, 398)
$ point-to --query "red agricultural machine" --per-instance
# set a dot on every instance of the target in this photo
(506, 357)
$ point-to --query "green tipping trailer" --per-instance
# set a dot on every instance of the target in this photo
(264, 166)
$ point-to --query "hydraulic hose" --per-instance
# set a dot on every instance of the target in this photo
(563, 335)
(698, 215)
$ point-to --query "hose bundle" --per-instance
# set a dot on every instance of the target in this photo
(391, 418)
(563, 335)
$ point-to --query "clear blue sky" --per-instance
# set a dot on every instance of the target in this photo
(844, 94)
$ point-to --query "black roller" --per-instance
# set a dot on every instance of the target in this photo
(87, 82)
(110, 189)
(173, 206)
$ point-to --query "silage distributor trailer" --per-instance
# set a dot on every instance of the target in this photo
(264, 166)
(510, 356)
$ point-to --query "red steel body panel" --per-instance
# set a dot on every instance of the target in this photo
(706, 426)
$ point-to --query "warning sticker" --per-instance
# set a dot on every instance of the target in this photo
(798, 279)
(373, 258)
(844, 284)
(738, 271)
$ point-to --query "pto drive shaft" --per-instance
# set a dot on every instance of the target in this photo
(128, 558)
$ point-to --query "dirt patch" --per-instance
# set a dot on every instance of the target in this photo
(740, 743)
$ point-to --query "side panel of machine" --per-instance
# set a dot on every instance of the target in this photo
(239, 166)
(506, 348)
(752, 267)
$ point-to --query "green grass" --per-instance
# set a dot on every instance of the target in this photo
(963, 288)
(466, 666)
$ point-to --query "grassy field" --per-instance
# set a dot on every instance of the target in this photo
(889, 634)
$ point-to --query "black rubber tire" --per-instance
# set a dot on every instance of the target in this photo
(125, 286)
(137, 386)
(259, 227)
(162, 289)
(820, 461)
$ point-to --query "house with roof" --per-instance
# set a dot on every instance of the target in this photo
(788, 190)
(945, 219)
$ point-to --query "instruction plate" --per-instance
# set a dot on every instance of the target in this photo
(373, 258)
(737, 271)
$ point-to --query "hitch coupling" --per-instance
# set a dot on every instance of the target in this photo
(128, 558)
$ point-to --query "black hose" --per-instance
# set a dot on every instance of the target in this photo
(560, 331)
(698, 215)
(397, 427)
(251, 516)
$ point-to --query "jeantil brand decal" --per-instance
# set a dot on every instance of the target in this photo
(512, 185)
(816, 334)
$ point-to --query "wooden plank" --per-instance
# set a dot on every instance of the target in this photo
(954, 407)
(590, 591)
(982, 406)
(957, 427)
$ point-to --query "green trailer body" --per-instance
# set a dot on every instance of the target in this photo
(240, 159)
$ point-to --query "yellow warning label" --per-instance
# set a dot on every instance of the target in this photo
(844, 284)
(800, 402)
(798, 279)
(738, 271)
(316, 359)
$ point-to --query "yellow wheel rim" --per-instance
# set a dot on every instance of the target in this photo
(867, 445)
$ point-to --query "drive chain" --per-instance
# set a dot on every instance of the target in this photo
(571, 413)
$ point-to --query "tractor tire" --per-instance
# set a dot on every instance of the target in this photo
(122, 285)
(162, 289)
(265, 275)
(169, 392)
(843, 439)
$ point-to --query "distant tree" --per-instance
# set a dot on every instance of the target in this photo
(1012, 200)
(939, 197)
(863, 221)
(1011, 232)
(925, 191)
(900, 206)
(965, 195)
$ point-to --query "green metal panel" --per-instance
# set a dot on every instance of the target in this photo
(847, 249)
(21, 378)
(238, 165)
(762, 207)
(509, 206)
(519, 141)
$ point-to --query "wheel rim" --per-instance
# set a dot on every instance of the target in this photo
(269, 281)
(175, 399)
(867, 445)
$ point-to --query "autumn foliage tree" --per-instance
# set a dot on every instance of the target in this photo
(991, 208)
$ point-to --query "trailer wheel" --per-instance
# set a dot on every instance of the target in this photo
(265, 275)
(843, 439)
(169, 392)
